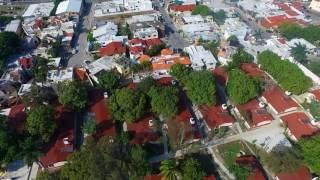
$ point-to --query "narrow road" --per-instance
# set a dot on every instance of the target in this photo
(80, 39)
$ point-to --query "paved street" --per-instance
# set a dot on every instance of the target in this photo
(174, 38)
(80, 39)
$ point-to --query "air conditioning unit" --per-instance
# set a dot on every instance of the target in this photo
(262, 104)
(224, 106)
(192, 121)
(151, 123)
(66, 141)
(288, 93)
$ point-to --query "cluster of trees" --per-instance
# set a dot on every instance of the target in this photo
(200, 85)
(211, 46)
(144, 66)
(287, 74)
(124, 30)
(155, 50)
(55, 47)
(234, 41)
(104, 159)
(40, 69)
(9, 44)
(188, 169)
(240, 57)
(5, 19)
(109, 80)
(293, 30)
(204, 10)
(241, 88)
(309, 150)
(53, 11)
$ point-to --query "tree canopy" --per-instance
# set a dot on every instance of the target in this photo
(287, 74)
(220, 16)
(240, 57)
(201, 87)
(241, 88)
(9, 44)
(191, 170)
(233, 41)
(106, 159)
(38, 95)
(72, 95)
(109, 80)
(155, 50)
(299, 53)
(169, 169)
(40, 122)
(164, 101)
(40, 69)
(127, 105)
(309, 148)
(203, 10)
(293, 30)
(179, 72)
(146, 84)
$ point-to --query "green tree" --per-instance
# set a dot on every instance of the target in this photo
(5, 20)
(9, 147)
(201, 87)
(169, 169)
(293, 30)
(241, 88)
(72, 95)
(309, 148)
(299, 53)
(124, 30)
(127, 105)
(146, 84)
(220, 17)
(89, 127)
(290, 30)
(90, 37)
(9, 44)
(138, 167)
(109, 80)
(213, 47)
(203, 10)
(55, 47)
(30, 150)
(240, 57)
(38, 95)
(192, 170)
(155, 50)
(164, 101)
(287, 74)
(45, 175)
(179, 72)
(40, 69)
(144, 66)
(40, 122)
(233, 41)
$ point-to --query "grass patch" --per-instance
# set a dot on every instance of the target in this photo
(229, 152)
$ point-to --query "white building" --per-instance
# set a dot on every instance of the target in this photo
(70, 8)
(200, 58)
(60, 75)
(146, 33)
(38, 10)
(14, 26)
(315, 5)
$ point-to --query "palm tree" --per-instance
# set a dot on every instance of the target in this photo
(169, 170)
(299, 53)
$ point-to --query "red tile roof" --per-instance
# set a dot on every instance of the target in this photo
(182, 8)
(165, 81)
(297, 5)
(291, 13)
(141, 131)
(25, 62)
(56, 150)
(136, 50)
(316, 93)
(215, 116)
(283, 6)
(221, 75)
(99, 107)
(166, 63)
(17, 118)
(299, 125)
(80, 73)
(279, 100)
(153, 42)
(275, 21)
(211, 177)
(282, 40)
(259, 116)
(136, 41)
(300, 174)
(252, 70)
(112, 49)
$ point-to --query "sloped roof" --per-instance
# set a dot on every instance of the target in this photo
(221, 75)
(252, 70)
(69, 6)
(17, 117)
(112, 49)
(141, 131)
(215, 116)
(300, 174)
(166, 63)
(278, 99)
(299, 124)
(182, 8)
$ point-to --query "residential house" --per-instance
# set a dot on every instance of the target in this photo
(146, 33)
(59, 75)
(162, 64)
(38, 10)
(299, 125)
(176, 9)
(70, 9)
(142, 130)
(113, 48)
(278, 101)
(302, 173)
(105, 34)
(254, 113)
(200, 58)
(62, 143)
(14, 26)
